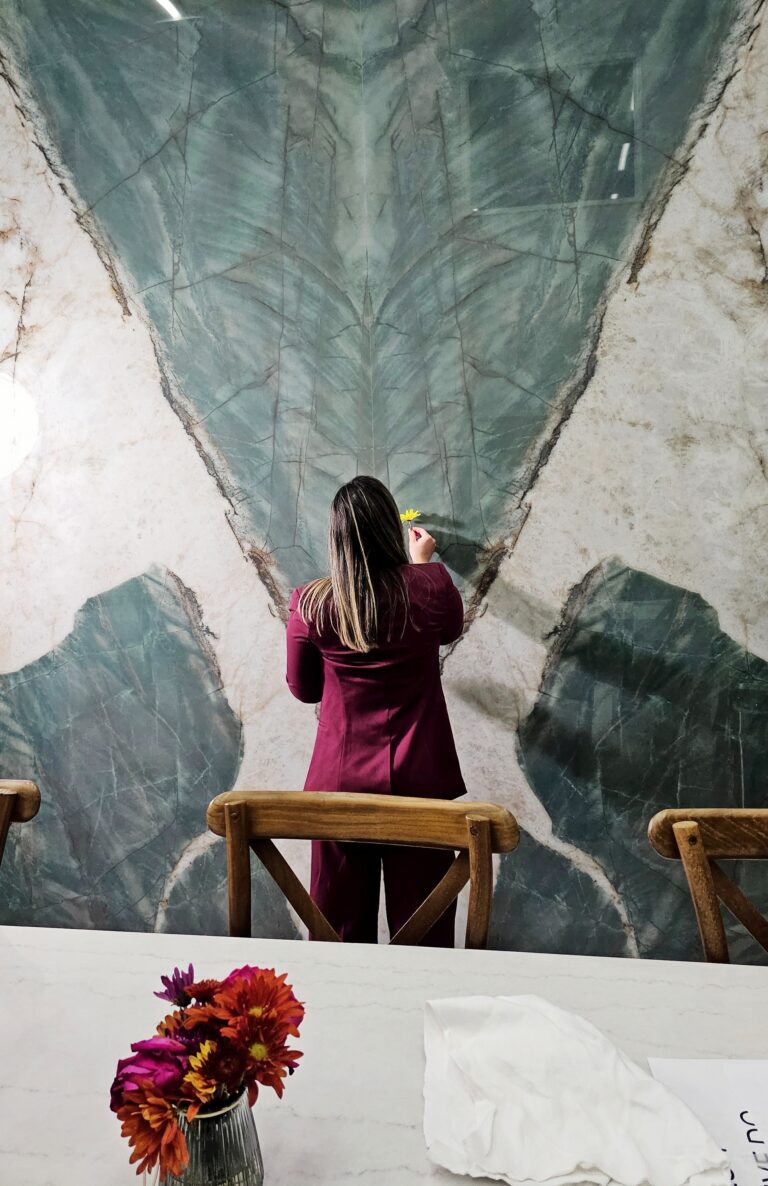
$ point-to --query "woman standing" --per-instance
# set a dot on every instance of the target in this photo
(365, 641)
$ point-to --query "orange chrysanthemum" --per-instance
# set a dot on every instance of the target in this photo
(149, 1124)
(202, 1015)
(261, 994)
(269, 1060)
(259, 1012)
(203, 991)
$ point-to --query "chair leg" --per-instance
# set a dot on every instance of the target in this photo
(702, 887)
(286, 880)
(7, 804)
(480, 881)
(238, 870)
(435, 906)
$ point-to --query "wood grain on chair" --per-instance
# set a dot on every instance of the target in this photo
(253, 820)
(19, 802)
(699, 837)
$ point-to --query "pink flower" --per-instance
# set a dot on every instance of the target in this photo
(162, 1061)
(247, 972)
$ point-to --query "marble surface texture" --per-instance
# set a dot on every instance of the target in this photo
(353, 1111)
(323, 206)
(134, 687)
(509, 257)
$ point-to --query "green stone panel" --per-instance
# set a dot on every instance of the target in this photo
(126, 728)
(371, 236)
(645, 704)
(543, 902)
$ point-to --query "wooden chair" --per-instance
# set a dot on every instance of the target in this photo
(255, 818)
(19, 802)
(701, 836)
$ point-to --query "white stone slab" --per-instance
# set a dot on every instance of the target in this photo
(73, 1001)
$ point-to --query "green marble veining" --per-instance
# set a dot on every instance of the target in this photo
(127, 730)
(543, 902)
(370, 236)
(645, 704)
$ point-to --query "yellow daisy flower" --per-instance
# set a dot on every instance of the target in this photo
(410, 515)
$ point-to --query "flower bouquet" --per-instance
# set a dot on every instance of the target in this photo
(210, 1054)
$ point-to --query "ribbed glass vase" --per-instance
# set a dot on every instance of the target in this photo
(223, 1148)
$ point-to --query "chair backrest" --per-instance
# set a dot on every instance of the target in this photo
(19, 802)
(254, 819)
(701, 836)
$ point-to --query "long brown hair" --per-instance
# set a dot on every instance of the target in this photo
(366, 549)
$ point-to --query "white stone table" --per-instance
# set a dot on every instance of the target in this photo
(71, 1002)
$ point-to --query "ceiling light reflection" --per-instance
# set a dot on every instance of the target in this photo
(171, 9)
(623, 156)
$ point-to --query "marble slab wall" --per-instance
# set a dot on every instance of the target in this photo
(510, 258)
(126, 726)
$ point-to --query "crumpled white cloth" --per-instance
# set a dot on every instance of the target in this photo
(521, 1091)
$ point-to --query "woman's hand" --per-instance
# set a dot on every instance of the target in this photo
(421, 545)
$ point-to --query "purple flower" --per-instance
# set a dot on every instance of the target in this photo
(176, 985)
(164, 1061)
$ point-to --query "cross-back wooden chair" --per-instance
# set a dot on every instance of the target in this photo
(19, 802)
(254, 819)
(701, 836)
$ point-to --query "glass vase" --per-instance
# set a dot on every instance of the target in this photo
(223, 1147)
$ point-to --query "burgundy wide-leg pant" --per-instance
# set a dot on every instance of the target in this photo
(345, 885)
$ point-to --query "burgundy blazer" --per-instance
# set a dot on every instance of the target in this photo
(383, 724)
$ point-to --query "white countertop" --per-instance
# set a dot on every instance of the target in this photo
(71, 1003)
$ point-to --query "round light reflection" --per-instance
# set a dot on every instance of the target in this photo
(19, 423)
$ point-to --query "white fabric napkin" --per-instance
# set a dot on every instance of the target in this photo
(518, 1090)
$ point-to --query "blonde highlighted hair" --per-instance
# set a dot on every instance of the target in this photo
(366, 550)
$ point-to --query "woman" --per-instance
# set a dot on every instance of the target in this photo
(365, 641)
